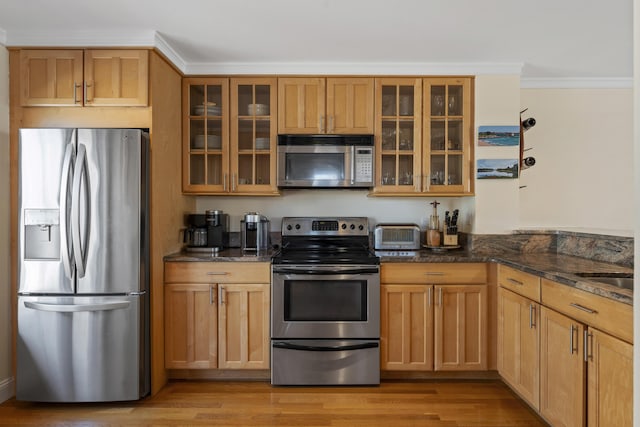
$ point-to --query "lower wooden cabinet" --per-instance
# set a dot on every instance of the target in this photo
(610, 380)
(243, 331)
(562, 369)
(223, 324)
(460, 322)
(191, 326)
(519, 344)
(406, 328)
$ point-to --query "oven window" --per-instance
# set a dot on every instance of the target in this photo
(315, 166)
(325, 300)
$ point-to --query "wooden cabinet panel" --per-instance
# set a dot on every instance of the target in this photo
(602, 313)
(522, 283)
(562, 369)
(91, 77)
(610, 380)
(51, 77)
(340, 105)
(518, 344)
(435, 273)
(460, 337)
(217, 272)
(406, 328)
(350, 105)
(244, 326)
(116, 77)
(190, 326)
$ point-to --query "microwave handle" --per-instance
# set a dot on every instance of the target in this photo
(353, 164)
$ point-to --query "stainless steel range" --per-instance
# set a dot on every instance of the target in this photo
(325, 296)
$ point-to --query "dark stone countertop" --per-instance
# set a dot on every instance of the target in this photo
(557, 267)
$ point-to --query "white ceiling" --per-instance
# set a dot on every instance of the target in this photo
(552, 42)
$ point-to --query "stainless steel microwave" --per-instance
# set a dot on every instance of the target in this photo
(325, 161)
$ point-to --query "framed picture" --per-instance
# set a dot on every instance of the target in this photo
(497, 168)
(498, 136)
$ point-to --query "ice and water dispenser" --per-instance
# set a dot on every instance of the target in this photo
(41, 234)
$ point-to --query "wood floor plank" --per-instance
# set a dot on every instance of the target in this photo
(482, 403)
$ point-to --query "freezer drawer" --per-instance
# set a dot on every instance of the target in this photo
(81, 349)
(325, 362)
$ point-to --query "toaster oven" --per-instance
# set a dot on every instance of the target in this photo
(402, 237)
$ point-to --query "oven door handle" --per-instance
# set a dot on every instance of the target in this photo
(289, 346)
(327, 272)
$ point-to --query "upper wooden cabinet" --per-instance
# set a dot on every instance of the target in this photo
(90, 77)
(424, 134)
(313, 105)
(230, 136)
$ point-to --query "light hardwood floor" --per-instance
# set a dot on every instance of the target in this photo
(256, 404)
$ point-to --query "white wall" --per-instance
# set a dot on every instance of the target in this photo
(583, 145)
(6, 382)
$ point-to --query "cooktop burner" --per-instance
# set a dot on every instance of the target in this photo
(325, 240)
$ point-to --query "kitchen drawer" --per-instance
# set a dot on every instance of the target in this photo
(519, 282)
(217, 272)
(433, 273)
(602, 313)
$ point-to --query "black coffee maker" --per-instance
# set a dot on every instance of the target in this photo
(207, 232)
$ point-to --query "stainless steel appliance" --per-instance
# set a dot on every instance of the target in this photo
(83, 302)
(325, 296)
(207, 232)
(325, 161)
(402, 237)
(254, 232)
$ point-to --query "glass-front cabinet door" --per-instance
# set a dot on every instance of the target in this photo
(253, 135)
(448, 159)
(205, 135)
(398, 124)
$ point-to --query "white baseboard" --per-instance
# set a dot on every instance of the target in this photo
(7, 389)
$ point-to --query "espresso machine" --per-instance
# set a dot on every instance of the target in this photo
(207, 232)
(254, 232)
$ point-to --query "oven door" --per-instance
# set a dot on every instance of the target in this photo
(325, 302)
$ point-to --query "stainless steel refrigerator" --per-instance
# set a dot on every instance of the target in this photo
(83, 301)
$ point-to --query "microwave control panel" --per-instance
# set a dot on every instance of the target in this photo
(363, 164)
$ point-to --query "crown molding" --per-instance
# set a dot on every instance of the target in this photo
(576, 83)
(81, 38)
(364, 68)
(167, 50)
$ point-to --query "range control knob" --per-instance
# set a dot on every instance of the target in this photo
(289, 227)
(344, 226)
(297, 226)
(361, 227)
(353, 227)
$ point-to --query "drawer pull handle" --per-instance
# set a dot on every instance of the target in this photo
(434, 273)
(515, 282)
(583, 308)
(217, 273)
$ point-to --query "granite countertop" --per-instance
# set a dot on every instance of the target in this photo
(557, 267)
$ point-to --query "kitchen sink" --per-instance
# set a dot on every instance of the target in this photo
(621, 280)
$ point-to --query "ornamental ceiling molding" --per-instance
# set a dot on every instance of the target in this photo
(149, 38)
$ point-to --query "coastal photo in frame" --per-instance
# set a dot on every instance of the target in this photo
(497, 168)
(498, 136)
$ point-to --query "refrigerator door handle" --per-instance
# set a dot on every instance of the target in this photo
(67, 250)
(80, 170)
(76, 308)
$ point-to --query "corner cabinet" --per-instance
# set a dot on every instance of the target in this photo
(90, 77)
(318, 105)
(229, 136)
(424, 134)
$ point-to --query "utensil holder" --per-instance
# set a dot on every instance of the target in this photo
(450, 239)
